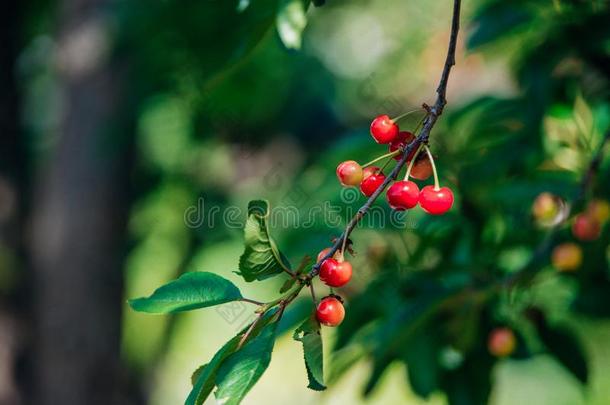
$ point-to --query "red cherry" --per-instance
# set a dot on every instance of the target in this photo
(349, 173)
(435, 202)
(383, 129)
(371, 183)
(335, 273)
(402, 139)
(322, 253)
(330, 311)
(502, 342)
(403, 195)
(585, 227)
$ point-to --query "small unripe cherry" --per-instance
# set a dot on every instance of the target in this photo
(502, 342)
(349, 173)
(403, 195)
(435, 201)
(367, 171)
(422, 168)
(546, 207)
(322, 253)
(330, 311)
(402, 139)
(371, 183)
(383, 129)
(566, 257)
(335, 273)
(585, 227)
(599, 210)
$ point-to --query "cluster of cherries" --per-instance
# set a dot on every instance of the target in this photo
(404, 194)
(586, 227)
(401, 195)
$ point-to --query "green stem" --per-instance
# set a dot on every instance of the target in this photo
(436, 183)
(377, 159)
(289, 296)
(413, 161)
(404, 115)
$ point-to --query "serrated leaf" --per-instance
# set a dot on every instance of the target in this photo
(241, 370)
(191, 291)
(261, 258)
(204, 378)
(309, 334)
(291, 21)
(564, 346)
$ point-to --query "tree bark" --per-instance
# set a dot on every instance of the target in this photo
(78, 225)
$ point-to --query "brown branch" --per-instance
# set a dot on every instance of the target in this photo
(433, 113)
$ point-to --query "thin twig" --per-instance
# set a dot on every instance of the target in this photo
(433, 113)
(250, 329)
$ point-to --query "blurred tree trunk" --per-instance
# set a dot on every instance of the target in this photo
(13, 182)
(78, 224)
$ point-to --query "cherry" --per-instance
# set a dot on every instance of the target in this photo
(566, 257)
(599, 210)
(502, 342)
(436, 201)
(402, 139)
(546, 208)
(349, 173)
(586, 228)
(367, 171)
(403, 195)
(330, 311)
(322, 253)
(371, 183)
(335, 273)
(422, 168)
(383, 129)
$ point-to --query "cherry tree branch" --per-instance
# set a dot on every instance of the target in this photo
(433, 113)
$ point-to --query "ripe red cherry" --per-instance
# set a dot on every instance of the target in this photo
(349, 173)
(322, 253)
(435, 201)
(371, 183)
(383, 129)
(335, 273)
(403, 195)
(330, 311)
(502, 342)
(403, 138)
(585, 227)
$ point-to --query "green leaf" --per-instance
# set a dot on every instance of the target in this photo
(190, 291)
(204, 378)
(566, 348)
(309, 334)
(240, 371)
(291, 21)
(261, 258)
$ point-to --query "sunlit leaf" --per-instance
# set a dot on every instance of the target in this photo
(291, 21)
(191, 291)
(261, 258)
(309, 334)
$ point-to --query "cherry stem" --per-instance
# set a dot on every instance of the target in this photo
(313, 293)
(413, 161)
(252, 301)
(404, 115)
(436, 183)
(377, 159)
